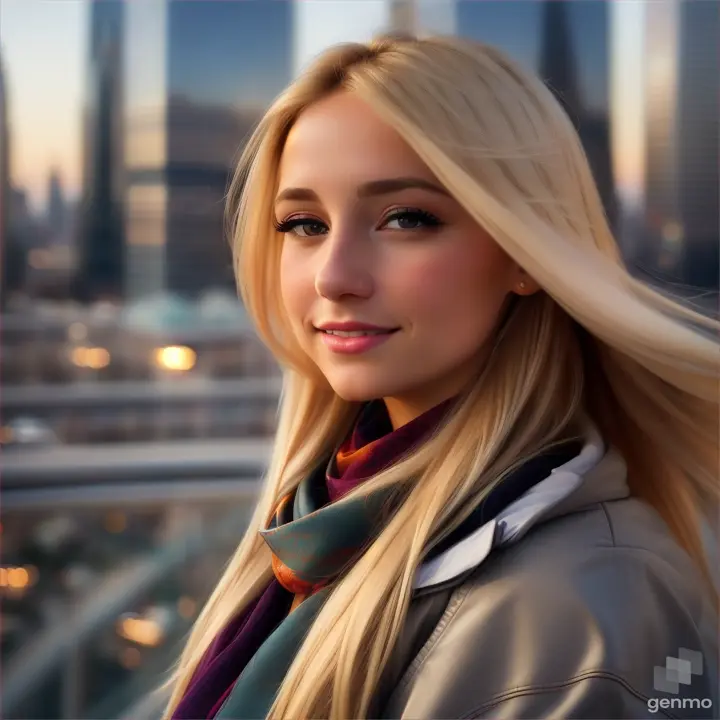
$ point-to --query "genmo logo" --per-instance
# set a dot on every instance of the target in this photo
(655, 704)
(678, 671)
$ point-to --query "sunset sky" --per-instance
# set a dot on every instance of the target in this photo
(43, 45)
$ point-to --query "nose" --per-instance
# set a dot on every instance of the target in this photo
(344, 268)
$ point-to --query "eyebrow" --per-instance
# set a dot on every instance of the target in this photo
(369, 189)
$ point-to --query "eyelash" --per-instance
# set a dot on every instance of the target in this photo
(429, 220)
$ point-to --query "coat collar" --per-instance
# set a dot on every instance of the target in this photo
(595, 475)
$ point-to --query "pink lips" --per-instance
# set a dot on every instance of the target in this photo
(352, 345)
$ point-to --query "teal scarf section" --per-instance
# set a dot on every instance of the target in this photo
(314, 539)
(316, 543)
(254, 692)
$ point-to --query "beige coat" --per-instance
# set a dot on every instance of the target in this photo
(574, 603)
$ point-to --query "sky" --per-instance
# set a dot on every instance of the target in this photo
(44, 46)
(627, 106)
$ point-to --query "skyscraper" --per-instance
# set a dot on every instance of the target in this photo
(682, 118)
(12, 256)
(101, 234)
(198, 77)
(423, 17)
(559, 68)
(57, 208)
(567, 44)
(4, 160)
(558, 60)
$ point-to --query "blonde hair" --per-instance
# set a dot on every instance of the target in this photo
(596, 342)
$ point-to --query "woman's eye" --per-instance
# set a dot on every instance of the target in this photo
(309, 229)
(302, 227)
(410, 220)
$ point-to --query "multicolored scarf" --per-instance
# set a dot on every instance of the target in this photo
(313, 540)
(309, 550)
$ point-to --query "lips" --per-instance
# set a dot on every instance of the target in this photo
(356, 333)
(354, 342)
(353, 329)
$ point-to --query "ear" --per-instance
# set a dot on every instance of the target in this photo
(524, 284)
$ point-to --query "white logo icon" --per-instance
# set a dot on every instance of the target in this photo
(678, 671)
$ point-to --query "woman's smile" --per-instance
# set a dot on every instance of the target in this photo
(356, 341)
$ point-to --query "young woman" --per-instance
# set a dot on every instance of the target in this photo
(495, 447)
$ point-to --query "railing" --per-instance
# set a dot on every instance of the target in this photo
(52, 649)
(223, 474)
(138, 473)
(71, 396)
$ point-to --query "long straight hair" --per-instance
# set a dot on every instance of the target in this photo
(594, 342)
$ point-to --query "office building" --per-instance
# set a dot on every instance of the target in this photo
(198, 76)
(57, 214)
(681, 185)
(567, 44)
(12, 254)
(4, 159)
(423, 17)
(101, 234)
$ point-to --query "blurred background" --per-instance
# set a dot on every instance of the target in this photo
(137, 405)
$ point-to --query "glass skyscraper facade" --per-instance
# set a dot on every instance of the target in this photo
(100, 241)
(4, 185)
(682, 212)
(198, 77)
(567, 44)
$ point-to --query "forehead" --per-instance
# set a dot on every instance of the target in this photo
(341, 137)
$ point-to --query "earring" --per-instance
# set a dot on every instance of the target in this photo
(521, 285)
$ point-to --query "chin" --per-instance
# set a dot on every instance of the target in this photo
(356, 388)
(354, 394)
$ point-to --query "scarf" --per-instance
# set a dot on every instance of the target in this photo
(312, 541)
(262, 642)
(310, 549)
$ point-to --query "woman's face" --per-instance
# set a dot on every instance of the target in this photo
(391, 287)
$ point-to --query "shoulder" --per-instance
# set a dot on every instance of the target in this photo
(576, 616)
(620, 550)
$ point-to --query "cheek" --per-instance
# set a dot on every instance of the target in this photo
(461, 290)
(296, 285)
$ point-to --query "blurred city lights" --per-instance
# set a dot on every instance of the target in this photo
(175, 357)
(77, 331)
(78, 577)
(39, 259)
(6, 435)
(94, 358)
(18, 578)
(115, 522)
(130, 658)
(143, 631)
(672, 232)
(187, 607)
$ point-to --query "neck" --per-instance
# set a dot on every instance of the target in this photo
(402, 411)
(407, 406)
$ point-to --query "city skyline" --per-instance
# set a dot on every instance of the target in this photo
(45, 45)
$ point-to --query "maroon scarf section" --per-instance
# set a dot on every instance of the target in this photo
(372, 446)
(231, 651)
